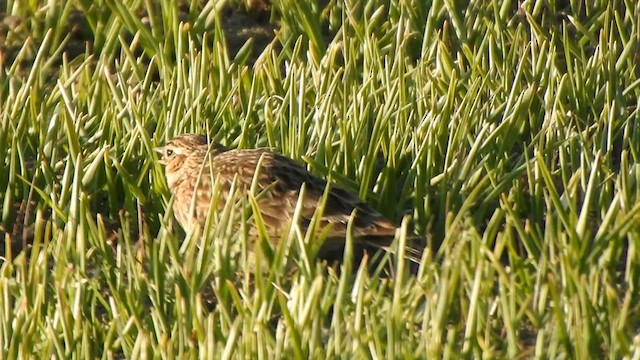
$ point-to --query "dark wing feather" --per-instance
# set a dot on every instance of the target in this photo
(283, 178)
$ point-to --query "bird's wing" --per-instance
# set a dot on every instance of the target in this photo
(339, 207)
(287, 177)
(279, 183)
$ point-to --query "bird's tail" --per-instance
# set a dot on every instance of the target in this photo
(413, 249)
(373, 247)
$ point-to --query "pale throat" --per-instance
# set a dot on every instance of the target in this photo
(174, 173)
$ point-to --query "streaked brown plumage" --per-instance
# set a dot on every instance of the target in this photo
(189, 157)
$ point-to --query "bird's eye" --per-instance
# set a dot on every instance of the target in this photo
(169, 152)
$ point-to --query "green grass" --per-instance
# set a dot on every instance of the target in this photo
(509, 133)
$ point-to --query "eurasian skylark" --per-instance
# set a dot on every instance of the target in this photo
(192, 164)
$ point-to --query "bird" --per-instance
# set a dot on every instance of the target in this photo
(192, 164)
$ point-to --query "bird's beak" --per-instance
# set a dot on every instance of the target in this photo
(160, 150)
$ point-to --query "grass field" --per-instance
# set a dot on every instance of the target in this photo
(508, 131)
